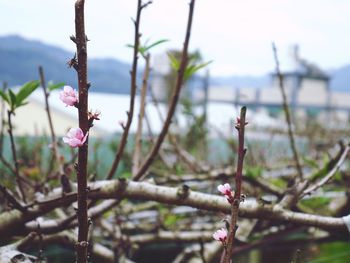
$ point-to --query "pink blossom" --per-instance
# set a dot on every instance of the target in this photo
(220, 235)
(75, 137)
(226, 191)
(69, 96)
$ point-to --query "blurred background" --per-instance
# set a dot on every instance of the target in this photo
(232, 40)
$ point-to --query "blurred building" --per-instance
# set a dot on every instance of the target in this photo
(307, 90)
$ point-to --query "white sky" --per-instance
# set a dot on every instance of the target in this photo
(235, 34)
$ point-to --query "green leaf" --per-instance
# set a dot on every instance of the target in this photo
(174, 62)
(190, 70)
(170, 220)
(146, 48)
(5, 97)
(26, 90)
(13, 99)
(52, 87)
(310, 162)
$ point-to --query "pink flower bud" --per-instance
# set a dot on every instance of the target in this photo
(75, 137)
(225, 189)
(220, 235)
(69, 96)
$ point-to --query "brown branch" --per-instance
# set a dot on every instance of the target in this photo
(56, 154)
(67, 239)
(329, 175)
(138, 138)
(47, 108)
(14, 157)
(237, 196)
(287, 114)
(57, 225)
(3, 110)
(179, 82)
(81, 68)
(12, 200)
(133, 87)
(13, 221)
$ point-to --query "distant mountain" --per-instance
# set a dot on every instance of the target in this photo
(20, 58)
(340, 79)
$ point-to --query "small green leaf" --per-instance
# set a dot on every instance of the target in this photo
(5, 97)
(13, 99)
(146, 48)
(174, 62)
(310, 162)
(26, 90)
(190, 70)
(52, 87)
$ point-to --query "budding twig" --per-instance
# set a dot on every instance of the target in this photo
(130, 114)
(240, 126)
(179, 81)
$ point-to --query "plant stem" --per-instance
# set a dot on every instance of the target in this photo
(179, 82)
(14, 156)
(80, 40)
(55, 152)
(133, 87)
(138, 137)
(237, 196)
(287, 114)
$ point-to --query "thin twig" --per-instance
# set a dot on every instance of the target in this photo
(47, 108)
(287, 114)
(4, 88)
(179, 82)
(133, 87)
(16, 204)
(237, 196)
(56, 154)
(14, 156)
(81, 40)
(330, 174)
(138, 138)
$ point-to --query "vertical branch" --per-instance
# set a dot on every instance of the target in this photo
(287, 114)
(173, 102)
(4, 88)
(56, 155)
(2, 131)
(47, 108)
(237, 196)
(14, 156)
(133, 87)
(80, 40)
(138, 137)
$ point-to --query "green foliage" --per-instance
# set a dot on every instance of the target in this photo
(337, 252)
(170, 220)
(279, 182)
(143, 49)
(316, 202)
(323, 171)
(195, 136)
(310, 162)
(316, 205)
(52, 86)
(253, 171)
(192, 65)
(17, 100)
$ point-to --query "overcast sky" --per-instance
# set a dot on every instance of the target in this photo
(235, 34)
